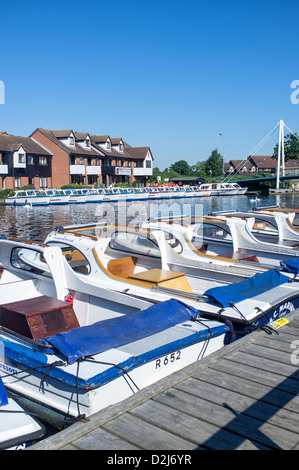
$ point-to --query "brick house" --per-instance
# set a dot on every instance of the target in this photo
(23, 162)
(263, 163)
(123, 163)
(79, 157)
(75, 160)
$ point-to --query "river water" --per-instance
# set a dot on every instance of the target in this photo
(35, 223)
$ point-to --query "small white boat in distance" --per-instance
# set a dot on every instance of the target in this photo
(29, 197)
(223, 189)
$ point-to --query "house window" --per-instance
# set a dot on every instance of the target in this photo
(21, 158)
(43, 183)
(87, 143)
(42, 160)
(81, 160)
(30, 160)
(120, 146)
(108, 145)
(71, 140)
(148, 164)
(17, 182)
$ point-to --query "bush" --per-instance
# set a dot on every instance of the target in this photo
(4, 193)
(75, 186)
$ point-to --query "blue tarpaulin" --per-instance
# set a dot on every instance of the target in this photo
(3, 394)
(238, 291)
(115, 332)
(291, 265)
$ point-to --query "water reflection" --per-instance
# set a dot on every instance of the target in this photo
(36, 222)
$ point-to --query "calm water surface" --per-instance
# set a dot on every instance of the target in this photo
(36, 222)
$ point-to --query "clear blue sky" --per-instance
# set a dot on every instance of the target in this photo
(166, 74)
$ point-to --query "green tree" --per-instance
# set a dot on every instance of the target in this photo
(199, 169)
(291, 147)
(214, 164)
(181, 167)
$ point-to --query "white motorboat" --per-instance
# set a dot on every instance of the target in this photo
(133, 262)
(197, 192)
(103, 346)
(233, 237)
(58, 196)
(94, 195)
(18, 429)
(223, 189)
(180, 254)
(270, 226)
(76, 196)
(28, 197)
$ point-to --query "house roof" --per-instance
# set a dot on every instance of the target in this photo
(138, 152)
(62, 133)
(96, 148)
(240, 164)
(55, 137)
(263, 161)
(11, 143)
(81, 135)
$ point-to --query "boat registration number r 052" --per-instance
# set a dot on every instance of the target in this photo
(168, 359)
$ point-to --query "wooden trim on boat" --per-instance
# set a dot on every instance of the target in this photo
(182, 283)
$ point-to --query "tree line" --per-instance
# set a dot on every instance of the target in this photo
(214, 165)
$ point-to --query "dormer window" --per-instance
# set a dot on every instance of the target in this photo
(71, 140)
(87, 142)
(120, 147)
(21, 158)
(108, 145)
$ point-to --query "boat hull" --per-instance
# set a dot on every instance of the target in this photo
(100, 383)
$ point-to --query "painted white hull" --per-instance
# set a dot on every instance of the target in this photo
(31, 201)
(17, 428)
(62, 397)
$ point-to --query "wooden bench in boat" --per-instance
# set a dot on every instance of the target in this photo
(162, 277)
(38, 317)
(122, 267)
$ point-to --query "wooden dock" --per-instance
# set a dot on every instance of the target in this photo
(243, 397)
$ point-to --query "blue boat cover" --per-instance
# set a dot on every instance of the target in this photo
(3, 394)
(115, 332)
(238, 291)
(291, 265)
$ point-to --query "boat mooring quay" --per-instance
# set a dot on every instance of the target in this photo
(242, 397)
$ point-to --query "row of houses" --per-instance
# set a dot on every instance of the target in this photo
(54, 158)
(256, 164)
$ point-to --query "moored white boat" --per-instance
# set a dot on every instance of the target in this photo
(94, 195)
(58, 196)
(28, 197)
(197, 192)
(134, 263)
(80, 357)
(18, 429)
(223, 189)
(77, 196)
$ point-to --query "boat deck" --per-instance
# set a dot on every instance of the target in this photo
(243, 397)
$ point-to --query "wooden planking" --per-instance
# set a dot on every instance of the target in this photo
(100, 439)
(242, 397)
(147, 435)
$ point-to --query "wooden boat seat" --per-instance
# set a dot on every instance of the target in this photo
(122, 267)
(38, 317)
(162, 277)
